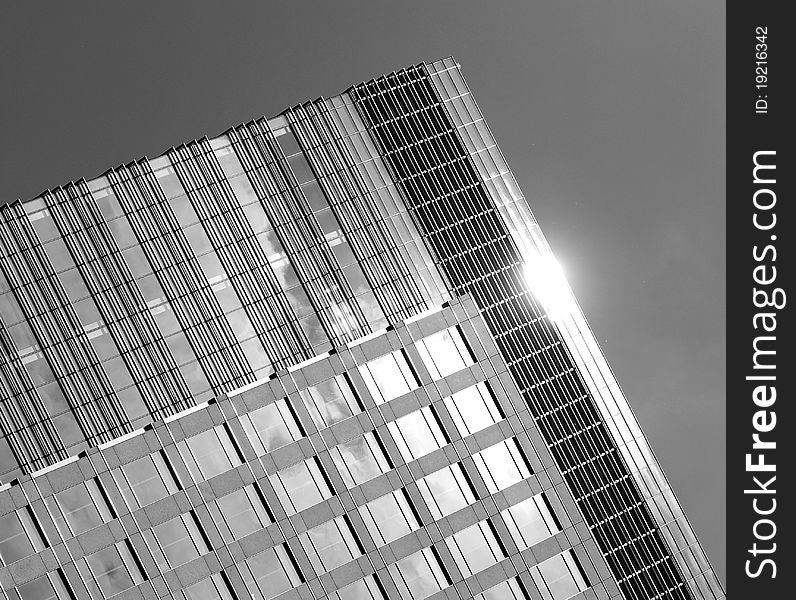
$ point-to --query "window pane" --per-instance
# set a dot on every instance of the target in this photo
(444, 352)
(114, 569)
(507, 590)
(474, 548)
(270, 573)
(46, 587)
(240, 513)
(271, 427)
(330, 401)
(300, 486)
(176, 542)
(330, 545)
(209, 453)
(388, 377)
(418, 575)
(473, 409)
(14, 541)
(530, 521)
(83, 507)
(359, 460)
(145, 480)
(559, 577)
(212, 588)
(388, 517)
(501, 465)
(364, 589)
(446, 491)
(417, 434)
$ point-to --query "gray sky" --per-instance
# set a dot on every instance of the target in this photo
(611, 115)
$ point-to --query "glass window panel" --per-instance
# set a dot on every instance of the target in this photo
(300, 486)
(331, 401)
(474, 548)
(364, 589)
(446, 491)
(360, 459)
(388, 377)
(330, 545)
(301, 168)
(243, 189)
(114, 569)
(444, 352)
(176, 542)
(506, 590)
(271, 427)
(418, 575)
(46, 587)
(270, 573)
(417, 434)
(14, 541)
(313, 192)
(83, 507)
(559, 577)
(530, 521)
(145, 480)
(389, 517)
(183, 211)
(473, 409)
(288, 142)
(501, 465)
(213, 588)
(209, 453)
(240, 513)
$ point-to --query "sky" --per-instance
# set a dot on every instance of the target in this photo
(610, 114)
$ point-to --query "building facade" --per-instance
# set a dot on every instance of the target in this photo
(327, 354)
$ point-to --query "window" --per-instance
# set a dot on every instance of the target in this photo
(444, 353)
(271, 427)
(473, 409)
(176, 541)
(530, 521)
(209, 453)
(559, 577)
(330, 545)
(300, 486)
(417, 434)
(389, 517)
(269, 573)
(446, 491)
(240, 513)
(501, 465)
(475, 548)
(418, 575)
(79, 508)
(46, 587)
(506, 590)
(111, 570)
(145, 480)
(360, 460)
(18, 536)
(388, 377)
(214, 587)
(330, 401)
(364, 589)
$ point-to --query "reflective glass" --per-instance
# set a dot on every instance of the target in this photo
(270, 573)
(418, 575)
(446, 491)
(501, 465)
(330, 545)
(271, 427)
(559, 577)
(444, 352)
(330, 401)
(364, 589)
(389, 517)
(145, 480)
(417, 434)
(360, 460)
(473, 409)
(300, 486)
(506, 590)
(114, 569)
(14, 541)
(474, 548)
(239, 513)
(530, 521)
(212, 588)
(83, 507)
(301, 168)
(388, 377)
(46, 587)
(209, 453)
(176, 542)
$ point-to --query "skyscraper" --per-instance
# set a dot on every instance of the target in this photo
(328, 354)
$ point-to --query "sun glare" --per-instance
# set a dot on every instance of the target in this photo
(545, 278)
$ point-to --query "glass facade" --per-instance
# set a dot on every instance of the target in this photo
(326, 354)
